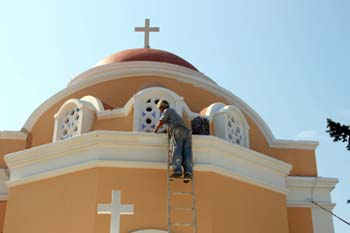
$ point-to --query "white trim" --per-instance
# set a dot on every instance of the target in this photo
(301, 190)
(220, 119)
(82, 104)
(212, 109)
(191, 115)
(95, 102)
(144, 150)
(133, 69)
(139, 66)
(317, 182)
(13, 135)
(88, 106)
(293, 144)
(125, 111)
(232, 108)
(175, 101)
(322, 221)
(119, 112)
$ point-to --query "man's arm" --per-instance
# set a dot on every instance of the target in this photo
(159, 125)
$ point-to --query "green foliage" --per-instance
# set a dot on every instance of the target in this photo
(338, 132)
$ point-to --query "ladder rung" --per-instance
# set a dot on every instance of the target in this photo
(181, 208)
(181, 193)
(181, 179)
(172, 209)
(181, 224)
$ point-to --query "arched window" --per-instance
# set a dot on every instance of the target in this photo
(231, 125)
(75, 117)
(70, 124)
(146, 113)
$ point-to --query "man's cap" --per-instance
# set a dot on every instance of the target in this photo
(163, 104)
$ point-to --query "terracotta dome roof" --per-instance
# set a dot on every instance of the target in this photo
(154, 55)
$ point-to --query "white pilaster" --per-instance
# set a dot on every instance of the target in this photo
(322, 221)
(303, 190)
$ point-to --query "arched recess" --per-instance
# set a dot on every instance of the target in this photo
(75, 117)
(231, 125)
(146, 113)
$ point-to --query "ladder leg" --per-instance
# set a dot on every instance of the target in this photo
(169, 187)
(194, 201)
(171, 193)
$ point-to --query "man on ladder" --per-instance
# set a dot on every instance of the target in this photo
(180, 141)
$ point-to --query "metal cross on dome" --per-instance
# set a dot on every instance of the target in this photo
(115, 209)
(147, 29)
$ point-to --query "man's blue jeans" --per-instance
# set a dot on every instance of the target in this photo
(181, 143)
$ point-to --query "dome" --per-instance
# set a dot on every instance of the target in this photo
(144, 54)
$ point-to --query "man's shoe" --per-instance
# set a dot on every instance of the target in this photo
(175, 176)
(187, 178)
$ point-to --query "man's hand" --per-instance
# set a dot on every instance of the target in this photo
(159, 124)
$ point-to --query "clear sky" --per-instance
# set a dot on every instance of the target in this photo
(289, 60)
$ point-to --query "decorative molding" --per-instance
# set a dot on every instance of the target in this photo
(303, 189)
(75, 117)
(13, 135)
(144, 150)
(213, 108)
(142, 68)
(322, 221)
(119, 112)
(147, 98)
(95, 102)
(293, 144)
(75, 102)
(227, 120)
(124, 111)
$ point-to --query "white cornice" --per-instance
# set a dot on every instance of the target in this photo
(13, 135)
(312, 182)
(303, 190)
(142, 68)
(144, 150)
(293, 144)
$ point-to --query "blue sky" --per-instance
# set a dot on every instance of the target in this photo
(289, 60)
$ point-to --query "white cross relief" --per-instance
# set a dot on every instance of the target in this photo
(147, 30)
(115, 209)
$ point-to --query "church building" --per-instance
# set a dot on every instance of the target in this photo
(87, 160)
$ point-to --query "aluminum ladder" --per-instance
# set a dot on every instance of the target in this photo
(189, 196)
